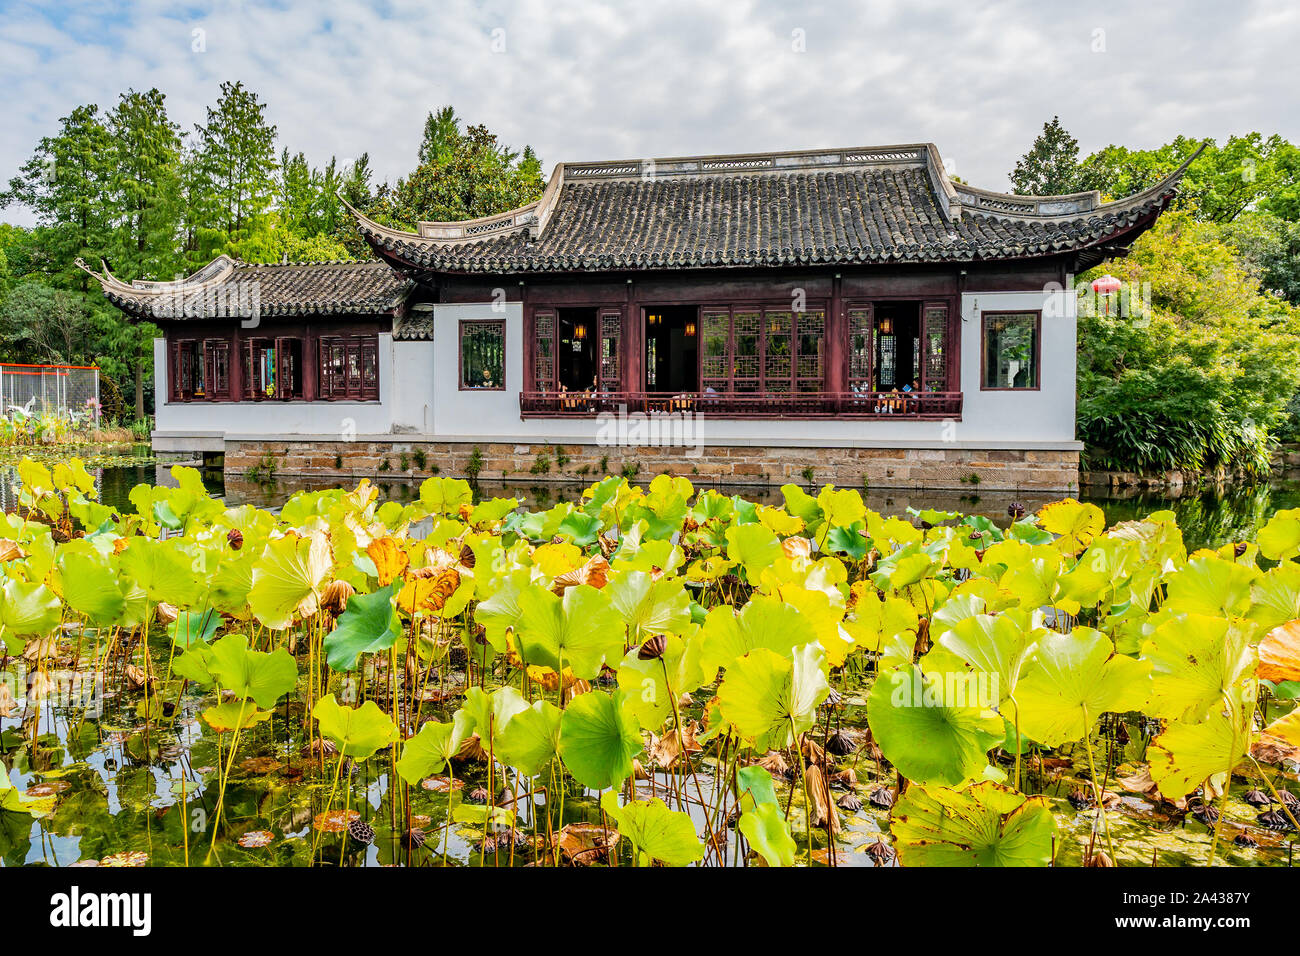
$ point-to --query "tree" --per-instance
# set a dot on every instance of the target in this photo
(235, 162)
(145, 190)
(1245, 173)
(68, 183)
(1270, 246)
(1204, 378)
(144, 186)
(462, 175)
(1051, 166)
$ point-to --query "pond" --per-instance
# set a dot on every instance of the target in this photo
(126, 772)
(1209, 517)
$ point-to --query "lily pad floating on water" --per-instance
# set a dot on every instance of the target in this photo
(334, 821)
(128, 858)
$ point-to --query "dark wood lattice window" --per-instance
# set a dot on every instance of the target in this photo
(611, 327)
(273, 369)
(199, 370)
(747, 357)
(754, 350)
(715, 349)
(544, 351)
(810, 345)
(778, 364)
(216, 369)
(860, 349)
(936, 347)
(349, 368)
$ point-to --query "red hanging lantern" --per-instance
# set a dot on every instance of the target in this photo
(1106, 286)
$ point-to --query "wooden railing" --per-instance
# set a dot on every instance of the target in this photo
(872, 405)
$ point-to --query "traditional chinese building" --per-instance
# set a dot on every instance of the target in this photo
(738, 318)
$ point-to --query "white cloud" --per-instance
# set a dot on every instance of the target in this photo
(590, 80)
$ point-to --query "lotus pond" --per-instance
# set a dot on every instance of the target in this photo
(636, 676)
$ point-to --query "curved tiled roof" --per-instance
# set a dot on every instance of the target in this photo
(882, 205)
(228, 288)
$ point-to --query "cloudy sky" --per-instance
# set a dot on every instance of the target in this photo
(585, 80)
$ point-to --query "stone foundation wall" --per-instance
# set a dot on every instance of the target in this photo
(952, 468)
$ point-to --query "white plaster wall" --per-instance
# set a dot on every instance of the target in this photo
(477, 413)
(421, 397)
(411, 398)
(1046, 415)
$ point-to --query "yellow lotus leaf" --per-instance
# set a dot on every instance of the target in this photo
(1074, 522)
(1288, 728)
(428, 594)
(1279, 653)
(390, 560)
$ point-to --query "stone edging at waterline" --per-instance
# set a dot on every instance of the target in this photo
(935, 468)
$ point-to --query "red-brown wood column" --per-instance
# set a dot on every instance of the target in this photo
(633, 342)
(836, 340)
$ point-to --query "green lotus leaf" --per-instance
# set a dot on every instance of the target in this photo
(1280, 537)
(799, 503)
(11, 798)
(430, 751)
(193, 665)
(234, 715)
(369, 625)
(762, 821)
(500, 612)
(648, 606)
(489, 512)
(849, 541)
(162, 569)
(643, 681)
(656, 832)
(192, 627)
(90, 588)
(933, 727)
(488, 715)
(228, 588)
(1195, 661)
(1212, 586)
(983, 825)
(598, 739)
(764, 621)
(1188, 754)
(358, 732)
(754, 547)
(1275, 596)
(263, 676)
(580, 630)
(770, 699)
(997, 646)
(28, 608)
(287, 579)
(444, 496)
(531, 738)
(1074, 679)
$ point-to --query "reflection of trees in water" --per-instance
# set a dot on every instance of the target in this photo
(1211, 518)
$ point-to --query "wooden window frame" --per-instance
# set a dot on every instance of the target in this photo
(365, 345)
(1038, 350)
(500, 326)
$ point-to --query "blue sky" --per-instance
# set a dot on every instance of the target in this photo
(587, 80)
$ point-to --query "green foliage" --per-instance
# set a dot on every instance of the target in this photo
(462, 174)
(1202, 380)
(966, 677)
(1050, 167)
